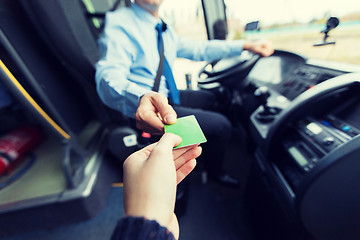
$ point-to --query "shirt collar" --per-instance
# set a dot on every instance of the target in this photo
(145, 15)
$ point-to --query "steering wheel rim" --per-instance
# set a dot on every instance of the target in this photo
(233, 66)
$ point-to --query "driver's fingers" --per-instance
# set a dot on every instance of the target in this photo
(165, 110)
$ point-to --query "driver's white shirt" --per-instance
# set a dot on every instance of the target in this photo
(129, 56)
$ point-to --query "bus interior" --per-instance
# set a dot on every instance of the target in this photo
(296, 122)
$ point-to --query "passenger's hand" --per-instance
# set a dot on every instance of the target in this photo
(150, 178)
(262, 47)
(153, 112)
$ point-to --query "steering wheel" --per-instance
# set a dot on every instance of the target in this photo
(227, 71)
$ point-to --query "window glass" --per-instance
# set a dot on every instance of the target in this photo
(296, 26)
(187, 18)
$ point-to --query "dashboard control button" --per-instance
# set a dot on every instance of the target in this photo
(346, 128)
(327, 141)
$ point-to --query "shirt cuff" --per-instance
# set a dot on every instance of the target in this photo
(236, 47)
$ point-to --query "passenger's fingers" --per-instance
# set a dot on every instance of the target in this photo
(163, 151)
(184, 170)
(169, 141)
(187, 155)
(140, 155)
(179, 151)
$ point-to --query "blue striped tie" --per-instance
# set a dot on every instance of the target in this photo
(174, 92)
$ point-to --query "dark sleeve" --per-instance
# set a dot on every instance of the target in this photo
(136, 228)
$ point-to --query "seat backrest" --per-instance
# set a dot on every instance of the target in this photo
(56, 40)
(27, 57)
(66, 28)
(96, 9)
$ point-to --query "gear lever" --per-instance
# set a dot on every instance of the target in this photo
(267, 114)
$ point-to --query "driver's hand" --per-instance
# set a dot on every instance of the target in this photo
(262, 47)
(153, 112)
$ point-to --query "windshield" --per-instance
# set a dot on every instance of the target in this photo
(296, 26)
(292, 25)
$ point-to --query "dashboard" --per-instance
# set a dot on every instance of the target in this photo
(307, 150)
(289, 74)
(302, 122)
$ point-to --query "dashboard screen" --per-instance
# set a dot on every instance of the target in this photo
(267, 70)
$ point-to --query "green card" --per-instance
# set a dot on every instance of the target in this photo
(188, 129)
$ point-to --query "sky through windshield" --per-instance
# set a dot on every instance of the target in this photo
(269, 12)
(280, 11)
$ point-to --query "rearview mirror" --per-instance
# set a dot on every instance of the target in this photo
(331, 23)
(253, 26)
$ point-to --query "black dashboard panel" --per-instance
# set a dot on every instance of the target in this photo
(308, 152)
(289, 74)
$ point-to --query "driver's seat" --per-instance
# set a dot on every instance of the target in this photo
(67, 30)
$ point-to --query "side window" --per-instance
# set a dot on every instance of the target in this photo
(187, 18)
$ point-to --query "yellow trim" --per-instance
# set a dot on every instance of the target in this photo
(32, 102)
(119, 184)
(90, 8)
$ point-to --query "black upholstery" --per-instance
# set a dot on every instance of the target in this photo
(39, 72)
(66, 29)
(63, 25)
